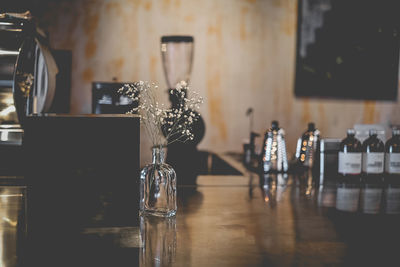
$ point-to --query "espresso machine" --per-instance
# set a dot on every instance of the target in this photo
(27, 81)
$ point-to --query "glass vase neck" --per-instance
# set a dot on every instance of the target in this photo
(157, 155)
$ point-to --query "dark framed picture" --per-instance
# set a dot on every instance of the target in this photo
(348, 49)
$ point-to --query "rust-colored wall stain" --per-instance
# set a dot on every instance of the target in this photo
(211, 30)
(118, 63)
(287, 103)
(213, 72)
(276, 96)
(88, 75)
(166, 2)
(136, 3)
(148, 5)
(287, 4)
(188, 18)
(88, 4)
(131, 23)
(277, 3)
(243, 13)
(116, 67)
(114, 7)
(68, 42)
(251, 1)
(153, 66)
(322, 116)
(377, 114)
(215, 29)
(51, 21)
(306, 114)
(369, 112)
(177, 3)
(90, 23)
(289, 23)
(214, 105)
(90, 48)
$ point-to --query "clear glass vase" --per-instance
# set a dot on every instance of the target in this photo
(158, 187)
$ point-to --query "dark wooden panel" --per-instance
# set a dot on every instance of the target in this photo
(82, 171)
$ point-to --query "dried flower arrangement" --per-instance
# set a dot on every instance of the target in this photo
(164, 125)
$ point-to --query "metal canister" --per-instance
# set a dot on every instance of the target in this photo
(274, 156)
(307, 146)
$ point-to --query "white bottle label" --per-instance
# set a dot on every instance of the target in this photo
(350, 163)
(392, 201)
(373, 162)
(392, 163)
(347, 199)
(371, 200)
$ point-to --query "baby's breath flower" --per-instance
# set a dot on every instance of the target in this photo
(164, 125)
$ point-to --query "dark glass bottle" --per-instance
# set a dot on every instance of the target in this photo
(350, 157)
(349, 169)
(372, 178)
(392, 154)
(373, 155)
(392, 173)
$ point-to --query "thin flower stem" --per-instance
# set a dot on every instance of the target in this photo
(163, 125)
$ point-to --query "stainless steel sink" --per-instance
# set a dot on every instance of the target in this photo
(212, 164)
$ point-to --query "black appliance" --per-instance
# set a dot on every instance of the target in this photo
(27, 83)
(107, 100)
(83, 173)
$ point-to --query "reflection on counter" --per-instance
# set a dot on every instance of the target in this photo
(347, 197)
(12, 224)
(274, 186)
(158, 241)
(392, 200)
(327, 196)
(356, 197)
(370, 199)
(361, 197)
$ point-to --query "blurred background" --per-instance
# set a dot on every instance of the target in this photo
(244, 56)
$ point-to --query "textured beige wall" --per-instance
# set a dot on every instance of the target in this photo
(244, 57)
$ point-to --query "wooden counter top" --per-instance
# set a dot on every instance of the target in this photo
(233, 221)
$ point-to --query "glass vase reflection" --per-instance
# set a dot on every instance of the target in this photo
(159, 241)
(158, 187)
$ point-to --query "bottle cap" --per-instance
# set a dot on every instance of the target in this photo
(351, 132)
(274, 125)
(311, 126)
(373, 132)
(395, 131)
